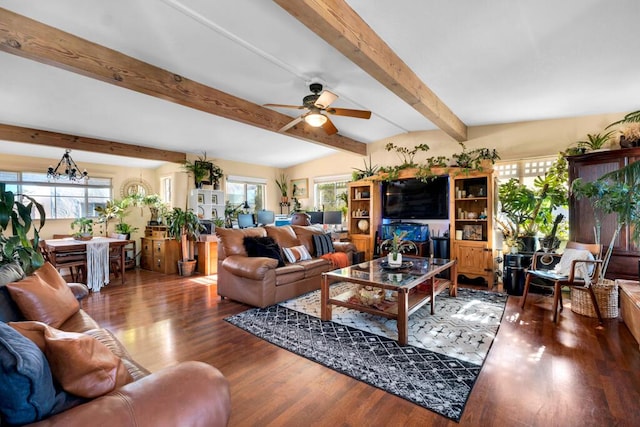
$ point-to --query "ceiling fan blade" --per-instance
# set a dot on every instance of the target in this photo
(325, 99)
(359, 114)
(329, 127)
(297, 107)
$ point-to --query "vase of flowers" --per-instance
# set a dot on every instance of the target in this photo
(396, 246)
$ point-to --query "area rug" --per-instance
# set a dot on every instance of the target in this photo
(439, 378)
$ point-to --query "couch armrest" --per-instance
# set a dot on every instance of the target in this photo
(344, 247)
(80, 291)
(254, 268)
(188, 394)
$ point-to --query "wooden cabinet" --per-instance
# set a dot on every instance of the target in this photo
(160, 255)
(365, 207)
(589, 167)
(471, 224)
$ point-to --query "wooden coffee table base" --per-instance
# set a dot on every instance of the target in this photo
(409, 299)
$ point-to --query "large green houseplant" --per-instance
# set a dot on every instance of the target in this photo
(185, 227)
(19, 235)
(525, 212)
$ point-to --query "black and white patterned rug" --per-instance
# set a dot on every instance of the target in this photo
(431, 378)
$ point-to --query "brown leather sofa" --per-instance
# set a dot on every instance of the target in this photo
(187, 394)
(258, 281)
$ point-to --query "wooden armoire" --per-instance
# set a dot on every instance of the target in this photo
(589, 167)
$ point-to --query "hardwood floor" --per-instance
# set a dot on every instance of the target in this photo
(536, 373)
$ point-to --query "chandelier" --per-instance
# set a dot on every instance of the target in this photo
(71, 170)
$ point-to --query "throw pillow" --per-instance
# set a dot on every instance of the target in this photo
(9, 311)
(51, 302)
(296, 253)
(323, 244)
(27, 393)
(263, 247)
(80, 363)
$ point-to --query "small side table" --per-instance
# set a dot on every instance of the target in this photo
(630, 305)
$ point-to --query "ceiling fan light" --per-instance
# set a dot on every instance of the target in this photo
(315, 119)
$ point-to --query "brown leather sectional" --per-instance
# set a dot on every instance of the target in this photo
(258, 281)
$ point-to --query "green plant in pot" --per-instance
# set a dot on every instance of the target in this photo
(595, 141)
(111, 210)
(20, 242)
(524, 211)
(185, 227)
(368, 170)
(199, 169)
(283, 186)
(85, 228)
(474, 160)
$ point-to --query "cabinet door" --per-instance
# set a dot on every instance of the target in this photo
(473, 258)
(146, 258)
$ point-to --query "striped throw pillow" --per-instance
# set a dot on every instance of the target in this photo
(296, 253)
(323, 244)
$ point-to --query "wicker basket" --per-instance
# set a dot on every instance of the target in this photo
(606, 292)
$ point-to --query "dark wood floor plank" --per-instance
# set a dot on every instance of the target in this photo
(536, 374)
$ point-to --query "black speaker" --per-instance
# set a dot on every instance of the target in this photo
(513, 273)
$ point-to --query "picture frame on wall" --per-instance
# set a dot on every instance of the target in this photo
(214, 199)
(214, 213)
(300, 188)
(472, 232)
(200, 198)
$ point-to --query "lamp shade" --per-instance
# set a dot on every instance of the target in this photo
(315, 119)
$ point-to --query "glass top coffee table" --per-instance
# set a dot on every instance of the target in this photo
(392, 293)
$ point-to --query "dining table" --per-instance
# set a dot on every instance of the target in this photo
(97, 254)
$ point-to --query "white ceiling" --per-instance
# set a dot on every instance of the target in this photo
(494, 61)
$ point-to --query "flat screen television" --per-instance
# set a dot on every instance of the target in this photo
(414, 199)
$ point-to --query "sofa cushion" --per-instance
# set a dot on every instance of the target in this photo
(323, 244)
(283, 235)
(27, 393)
(296, 254)
(263, 247)
(289, 273)
(9, 311)
(315, 266)
(51, 302)
(305, 235)
(80, 363)
(233, 239)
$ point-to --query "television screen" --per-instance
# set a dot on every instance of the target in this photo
(414, 199)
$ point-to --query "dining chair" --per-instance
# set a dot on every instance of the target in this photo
(115, 255)
(578, 267)
(75, 261)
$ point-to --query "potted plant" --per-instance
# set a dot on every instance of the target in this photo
(200, 169)
(215, 175)
(396, 246)
(126, 229)
(185, 227)
(85, 228)
(474, 160)
(155, 205)
(595, 141)
(19, 245)
(523, 210)
(283, 186)
(108, 212)
(368, 170)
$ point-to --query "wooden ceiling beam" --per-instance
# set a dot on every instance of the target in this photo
(34, 40)
(93, 145)
(340, 26)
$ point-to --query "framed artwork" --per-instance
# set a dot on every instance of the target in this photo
(300, 188)
(214, 199)
(472, 232)
(200, 198)
(214, 213)
(207, 166)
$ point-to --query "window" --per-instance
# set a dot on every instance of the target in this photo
(525, 171)
(60, 199)
(330, 193)
(165, 184)
(252, 190)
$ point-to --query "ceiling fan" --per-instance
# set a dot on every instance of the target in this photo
(316, 103)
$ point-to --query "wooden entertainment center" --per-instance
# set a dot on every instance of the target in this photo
(471, 201)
